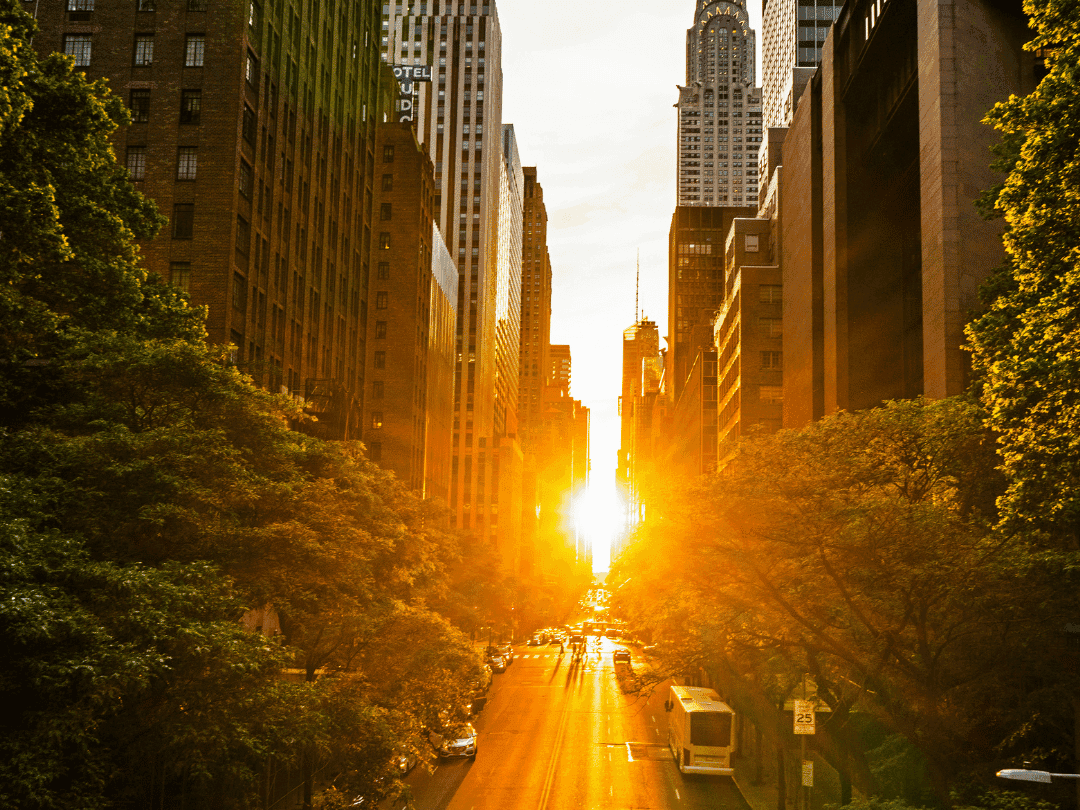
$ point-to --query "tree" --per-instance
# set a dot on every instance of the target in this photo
(860, 551)
(1027, 344)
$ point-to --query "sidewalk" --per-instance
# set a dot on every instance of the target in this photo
(762, 796)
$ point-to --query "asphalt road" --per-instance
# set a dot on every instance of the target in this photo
(560, 735)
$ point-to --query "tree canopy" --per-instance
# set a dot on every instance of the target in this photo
(151, 498)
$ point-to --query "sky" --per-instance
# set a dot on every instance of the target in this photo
(590, 88)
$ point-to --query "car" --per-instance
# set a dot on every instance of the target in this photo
(497, 663)
(506, 651)
(457, 741)
(649, 649)
(621, 656)
(536, 641)
(557, 639)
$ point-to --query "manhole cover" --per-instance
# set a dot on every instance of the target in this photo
(637, 751)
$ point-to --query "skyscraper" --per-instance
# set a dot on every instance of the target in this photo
(253, 129)
(535, 312)
(720, 126)
(792, 33)
(458, 118)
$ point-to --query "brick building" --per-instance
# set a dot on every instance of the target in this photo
(882, 249)
(535, 311)
(410, 337)
(253, 129)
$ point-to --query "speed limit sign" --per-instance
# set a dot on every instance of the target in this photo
(804, 717)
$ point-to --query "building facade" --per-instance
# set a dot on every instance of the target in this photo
(253, 129)
(793, 33)
(535, 311)
(410, 336)
(882, 264)
(696, 242)
(642, 415)
(720, 125)
(458, 119)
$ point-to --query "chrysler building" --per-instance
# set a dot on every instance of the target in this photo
(720, 127)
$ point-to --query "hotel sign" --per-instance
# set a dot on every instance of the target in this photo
(407, 77)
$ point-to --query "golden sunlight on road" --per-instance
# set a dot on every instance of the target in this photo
(598, 515)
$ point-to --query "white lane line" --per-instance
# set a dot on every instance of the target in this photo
(677, 796)
(654, 718)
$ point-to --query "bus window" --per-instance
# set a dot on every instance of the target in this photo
(710, 728)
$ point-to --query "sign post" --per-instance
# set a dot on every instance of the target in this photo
(805, 725)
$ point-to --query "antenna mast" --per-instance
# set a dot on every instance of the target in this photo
(637, 288)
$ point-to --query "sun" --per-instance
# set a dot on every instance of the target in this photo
(598, 517)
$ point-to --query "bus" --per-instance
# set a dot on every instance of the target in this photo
(700, 730)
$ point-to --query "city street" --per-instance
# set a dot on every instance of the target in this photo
(560, 735)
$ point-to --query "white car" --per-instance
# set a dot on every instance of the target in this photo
(458, 741)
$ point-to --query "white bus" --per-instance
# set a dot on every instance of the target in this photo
(700, 730)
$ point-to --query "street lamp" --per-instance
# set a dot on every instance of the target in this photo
(1025, 775)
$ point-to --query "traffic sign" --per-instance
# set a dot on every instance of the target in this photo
(804, 717)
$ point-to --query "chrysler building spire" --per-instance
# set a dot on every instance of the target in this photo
(719, 109)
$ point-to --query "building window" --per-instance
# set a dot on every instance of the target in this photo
(377, 390)
(239, 295)
(80, 5)
(245, 179)
(139, 106)
(379, 360)
(384, 241)
(243, 235)
(376, 420)
(250, 124)
(251, 70)
(772, 360)
(384, 271)
(380, 328)
(770, 293)
(180, 275)
(771, 394)
(385, 212)
(388, 153)
(144, 49)
(381, 300)
(190, 106)
(388, 182)
(194, 50)
(183, 220)
(78, 46)
(144, 5)
(136, 162)
(771, 327)
(187, 162)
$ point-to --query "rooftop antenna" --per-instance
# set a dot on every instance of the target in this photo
(637, 287)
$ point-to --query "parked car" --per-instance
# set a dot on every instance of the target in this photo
(458, 741)
(506, 651)
(536, 641)
(497, 663)
(621, 656)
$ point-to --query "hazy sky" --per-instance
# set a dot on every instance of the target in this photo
(590, 89)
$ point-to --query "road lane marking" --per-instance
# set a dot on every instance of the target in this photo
(677, 796)
(549, 778)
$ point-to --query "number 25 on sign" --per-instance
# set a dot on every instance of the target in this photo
(804, 717)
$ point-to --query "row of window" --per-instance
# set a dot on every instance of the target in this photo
(80, 48)
(83, 6)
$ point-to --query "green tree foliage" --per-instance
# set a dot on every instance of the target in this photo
(1027, 344)
(150, 496)
(860, 551)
